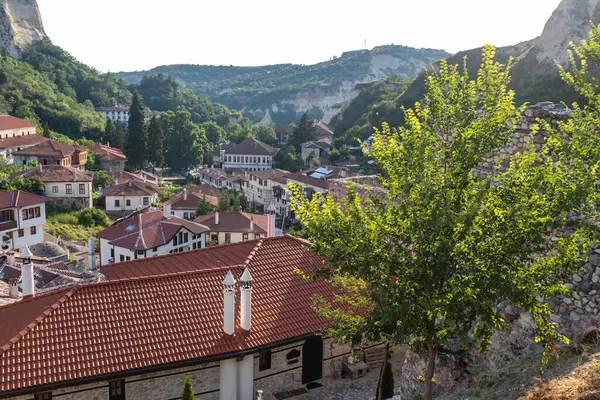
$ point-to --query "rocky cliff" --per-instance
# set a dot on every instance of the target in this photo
(534, 75)
(20, 25)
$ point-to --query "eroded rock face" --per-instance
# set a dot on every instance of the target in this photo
(20, 25)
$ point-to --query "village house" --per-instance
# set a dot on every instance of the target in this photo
(322, 131)
(120, 114)
(218, 178)
(316, 149)
(249, 155)
(64, 186)
(111, 158)
(132, 195)
(52, 153)
(149, 234)
(265, 187)
(17, 134)
(283, 134)
(235, 319)
(22, 219)
(236, 226)
(218, 153)
(185, 204)
(140, 176)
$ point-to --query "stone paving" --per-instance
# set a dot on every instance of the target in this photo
(344, 389)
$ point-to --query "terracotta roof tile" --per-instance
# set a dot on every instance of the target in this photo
(108, 327)
(308, 180)
(9, 122)
(18, 198)
(252, 147)
(234, 222)
(22, 141)
(108, 153)
(194, 195)
(271, 174)
(48, 148)
(131, 188)
(56, 173)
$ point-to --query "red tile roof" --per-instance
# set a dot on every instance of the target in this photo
(322, 129)
(48, 148)
(270, 174)
(22, 141)
(18, 198)
(178, 202)
(56, 173)
(8, 122)
(234, 222)
(307, 180)
(147, 230)
(131, 188)
(105, 328)
(108, 153)
(252, 147)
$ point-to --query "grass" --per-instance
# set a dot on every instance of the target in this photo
(65, 224)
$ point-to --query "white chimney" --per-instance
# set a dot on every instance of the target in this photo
(13, 288)
(27, 279)
(167, 210)
(229, 304)
(10, 259)
(184, 194)
(343, 173)
(252, 224)
(91, 255)
(217, 218)
(246, 300)
(271, 220)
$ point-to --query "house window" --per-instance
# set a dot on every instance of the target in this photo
(127, 258)
(69, 188)
(54, 189)
(81, 188)
(186, 215)
(155, 249)
(146, 201)
(122, 257)
(117, 203)
(116, 390)
(43, 396)
(192, 215)
(245, 236)
(24, 213)
(128, 202)
(193, 246)
(186, 237)
(38, 212)
(228, 238)
(140, 252)
(21, 233)
(264, 361)
(256, 235)
(175, 240)
(31, 213)
(33, 230)
(112, 253)
(214, 238)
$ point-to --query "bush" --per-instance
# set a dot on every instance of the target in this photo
(92, 217)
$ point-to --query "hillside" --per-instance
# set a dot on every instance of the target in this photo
(20, 25)
(279, 93)
(534, 75)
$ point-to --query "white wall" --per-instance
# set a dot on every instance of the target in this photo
(247, 162)
(59, 189)
(236, 237)
(135, 202)
(181, 213)
(38, 222)
(8, 133)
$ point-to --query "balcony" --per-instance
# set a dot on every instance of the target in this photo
(7, 225)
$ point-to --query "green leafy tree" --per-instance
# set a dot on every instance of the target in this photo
(188, 392)
(426, 261)
(109, 133)
(120, 136)
(102, 180)
(232, 200)
(266, 134)
(214, 133)
(204, 207)
(137, 139)
(240, 133)
(287, 159)
(186, 142)
(31, 185)
(156, 138)
(45, 130)
(93, 161)
(334, 156)
(304, 132)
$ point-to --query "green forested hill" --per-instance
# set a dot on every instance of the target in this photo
(254, 90)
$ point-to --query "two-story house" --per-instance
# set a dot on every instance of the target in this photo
(22, 219)
(52, 153)
(219, 178)
(265, 187)
(234, 227)
(149, 234)
(64, 186)
(185, 203)
(17, 134)
(316, 149)
(123, 198)
(249, 155)
(120, 114)
(111, 158)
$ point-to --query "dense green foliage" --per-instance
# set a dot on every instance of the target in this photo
(188, 392)
(232, 200)
(102, 180)
(204, 207)
(156, 137)
(266, 134)
(287, 159)
(426, 260)
(185, 142)
(303, 132)
(260, 87)
(114, 134)
(137, 135)
(374, 105)
(75, 225)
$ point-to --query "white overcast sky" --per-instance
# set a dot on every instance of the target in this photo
(125, 35)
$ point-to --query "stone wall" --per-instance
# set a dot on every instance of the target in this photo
(76, 203)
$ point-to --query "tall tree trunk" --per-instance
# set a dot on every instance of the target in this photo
(382, 372)
(431, 355)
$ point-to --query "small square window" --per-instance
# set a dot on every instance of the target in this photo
(186, 215)
(81, 188)
(122, 257)
(21, 233)
(146, 201)
(69, 188)
(117, 203)
(245, 236)
(128, 203)
(264, 361)
(54, 189)
(33, 230)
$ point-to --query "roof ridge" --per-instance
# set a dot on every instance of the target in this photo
(69, 291)
(252, 253)
(164, 275)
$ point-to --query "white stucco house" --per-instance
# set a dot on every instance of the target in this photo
(185, 203)
(149, 234)
(249, 155)
(265, 187)
(133, 195)
(22, 219)
(234, 227)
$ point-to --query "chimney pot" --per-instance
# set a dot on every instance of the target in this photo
(91, 255)
(246, 300)
(229, 304)
(184, 194)
(27, 278)
(252, 223)
(217, 218)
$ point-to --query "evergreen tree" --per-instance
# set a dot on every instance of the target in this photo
(266, 134)
(137, 139)
(304, 132)
(214, 133)
(156, 138)
(188, 392)
(186, 142)
(118, 139)
(45, 130)
(109, 132)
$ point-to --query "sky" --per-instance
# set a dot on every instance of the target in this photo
(131, 35)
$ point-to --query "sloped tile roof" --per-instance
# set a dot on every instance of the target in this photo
(9, 122)
(194, 195)
(108, 153)
(18, 198)
(105, 328)
(234, 222)
(308, 180)
(271, 174)
(131, 188)
(48, 148)
(56, 173)
(22, 141)
(252, 147)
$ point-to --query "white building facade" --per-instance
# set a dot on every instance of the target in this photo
(22, 219)
(250, 155)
